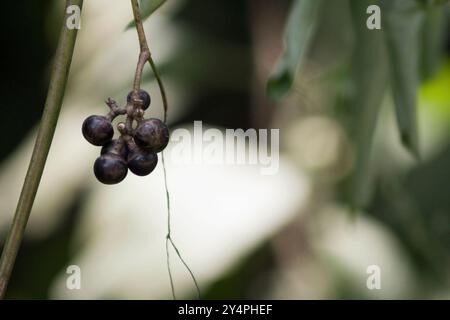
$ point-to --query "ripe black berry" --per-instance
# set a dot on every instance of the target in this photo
(117, 147)
(97, 130)
(110, 168)
(144, 96)
(141, 163)
(152, 135)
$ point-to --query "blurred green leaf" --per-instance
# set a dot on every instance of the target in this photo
(369, 74)
(402, 25)
(300, 28)
(433, 2)
(147, 8)
(435, 94)
(433, 38)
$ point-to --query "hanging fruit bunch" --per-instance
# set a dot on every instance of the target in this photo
(138, 144)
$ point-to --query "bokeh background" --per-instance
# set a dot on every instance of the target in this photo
(293, 235)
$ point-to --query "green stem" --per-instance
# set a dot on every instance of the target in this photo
(160, 85)
(60, 72)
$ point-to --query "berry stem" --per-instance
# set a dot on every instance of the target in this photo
(115, 109)
(55, 95)
(144, 56)
(139, 26)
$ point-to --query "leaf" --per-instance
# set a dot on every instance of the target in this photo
(147, 7)
(302, 22)
(369, 75)
(402, 25)
(433, 36)
(433, 2)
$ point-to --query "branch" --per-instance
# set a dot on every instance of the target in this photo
(139, 26)
(144, 56)
(60, 72)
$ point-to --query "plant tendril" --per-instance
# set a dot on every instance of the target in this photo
(145, 56)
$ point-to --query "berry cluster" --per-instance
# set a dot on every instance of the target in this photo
(139, 142)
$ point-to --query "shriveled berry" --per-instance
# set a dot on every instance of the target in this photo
(97, 130)
(142, 163)
(110, 168)
(152, 135)
(144, 96)
(117, 147)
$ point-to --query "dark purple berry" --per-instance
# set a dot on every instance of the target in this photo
(152, 135)
(142, 163)
(144, 96)
(97, 130)
(110, 169)
(117, 147)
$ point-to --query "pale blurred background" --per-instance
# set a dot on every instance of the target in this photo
(291, 235)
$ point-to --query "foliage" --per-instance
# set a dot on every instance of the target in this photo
(405, 50)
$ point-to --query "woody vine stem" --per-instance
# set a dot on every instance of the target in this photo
(145, 56)
(55, 95)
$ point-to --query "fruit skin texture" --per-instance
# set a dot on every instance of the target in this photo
(110, 168)
(97, 130)
(144, 96)
(152, 135)
(117, 147)
(142, 163)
